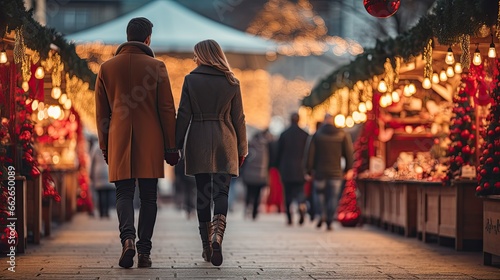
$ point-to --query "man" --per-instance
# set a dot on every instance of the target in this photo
(289, 161)
(323, 160)
(136, 128)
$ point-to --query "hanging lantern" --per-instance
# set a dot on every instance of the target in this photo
(63, 98)
(39, 73)
(3, 56)
(381, 8)
(458, 68)
(477, 57)
(450, 58)
(492, 53)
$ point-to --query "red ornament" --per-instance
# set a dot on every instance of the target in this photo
(459, 160)
(466, 149)
(497, 129)
(478, 188)
(496, 169)
(497, 185)
(381, 8)
(489, 160)
(465, 134)
(483, 172)
(486, 185)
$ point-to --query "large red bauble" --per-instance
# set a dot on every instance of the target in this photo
(483, 172)
(459, 160)
(478, 188)
(496, 169)
(465, 134)
(381, 8)
(489, 160)
(459, 144)
(486, 185)
(497, 185)
(497, 129)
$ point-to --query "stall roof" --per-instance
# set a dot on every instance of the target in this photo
(176, 29)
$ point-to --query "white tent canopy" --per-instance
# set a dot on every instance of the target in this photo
(176, 29)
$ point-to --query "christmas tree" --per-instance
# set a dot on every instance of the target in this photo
(462, 129)
(489, 163)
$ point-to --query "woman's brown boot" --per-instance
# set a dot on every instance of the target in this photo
(205, 233)
(219, 226)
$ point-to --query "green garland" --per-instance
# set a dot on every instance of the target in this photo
(36, 37)
(449, 20)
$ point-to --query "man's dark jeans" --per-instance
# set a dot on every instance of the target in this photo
(147, 214)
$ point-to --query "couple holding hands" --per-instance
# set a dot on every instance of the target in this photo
(138, 129)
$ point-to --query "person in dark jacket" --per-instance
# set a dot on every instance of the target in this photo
(323, 161)
(289, 160)
(255, 170)
(216, 144)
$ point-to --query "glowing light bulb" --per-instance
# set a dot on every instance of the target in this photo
(458, 67)
(427, 83)
(395, 97)
(492, 53)
(435, 78)
(382, 86)
(349, 122)
(39, 73)
(442, 76)
(477, 60)
(450, 58)
(449, 72)
(3, 57)
(34, 105)
(339, 120)
(25, 86)
(369, 105)
(412, 88)
(56, 92)
(362, 107)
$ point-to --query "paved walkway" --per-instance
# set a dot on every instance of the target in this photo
(88, 248)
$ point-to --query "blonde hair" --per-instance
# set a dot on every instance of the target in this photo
(209, 53)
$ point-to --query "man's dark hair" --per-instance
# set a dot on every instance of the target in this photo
(138, 29)
(294, 118)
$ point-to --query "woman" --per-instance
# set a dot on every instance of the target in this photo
(215, 145)
(100, 179)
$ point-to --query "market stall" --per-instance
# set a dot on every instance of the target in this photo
(429, 150)
(37, 68)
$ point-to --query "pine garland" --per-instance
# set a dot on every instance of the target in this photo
(448, 22)
(13, 15)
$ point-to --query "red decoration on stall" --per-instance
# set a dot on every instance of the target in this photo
(348, 211)
(489, 162)
(462, 131)
(381, 8)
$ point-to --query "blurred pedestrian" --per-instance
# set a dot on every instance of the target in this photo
(135, 117)
(99, 180)
(255, 170)
(185, 189)
(290, 162)
(323, 161)
(215, 146)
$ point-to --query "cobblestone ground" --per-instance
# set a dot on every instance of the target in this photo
(88, 248)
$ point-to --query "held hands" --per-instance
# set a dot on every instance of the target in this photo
(349, 175)
(172, 157)
(241, 159)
